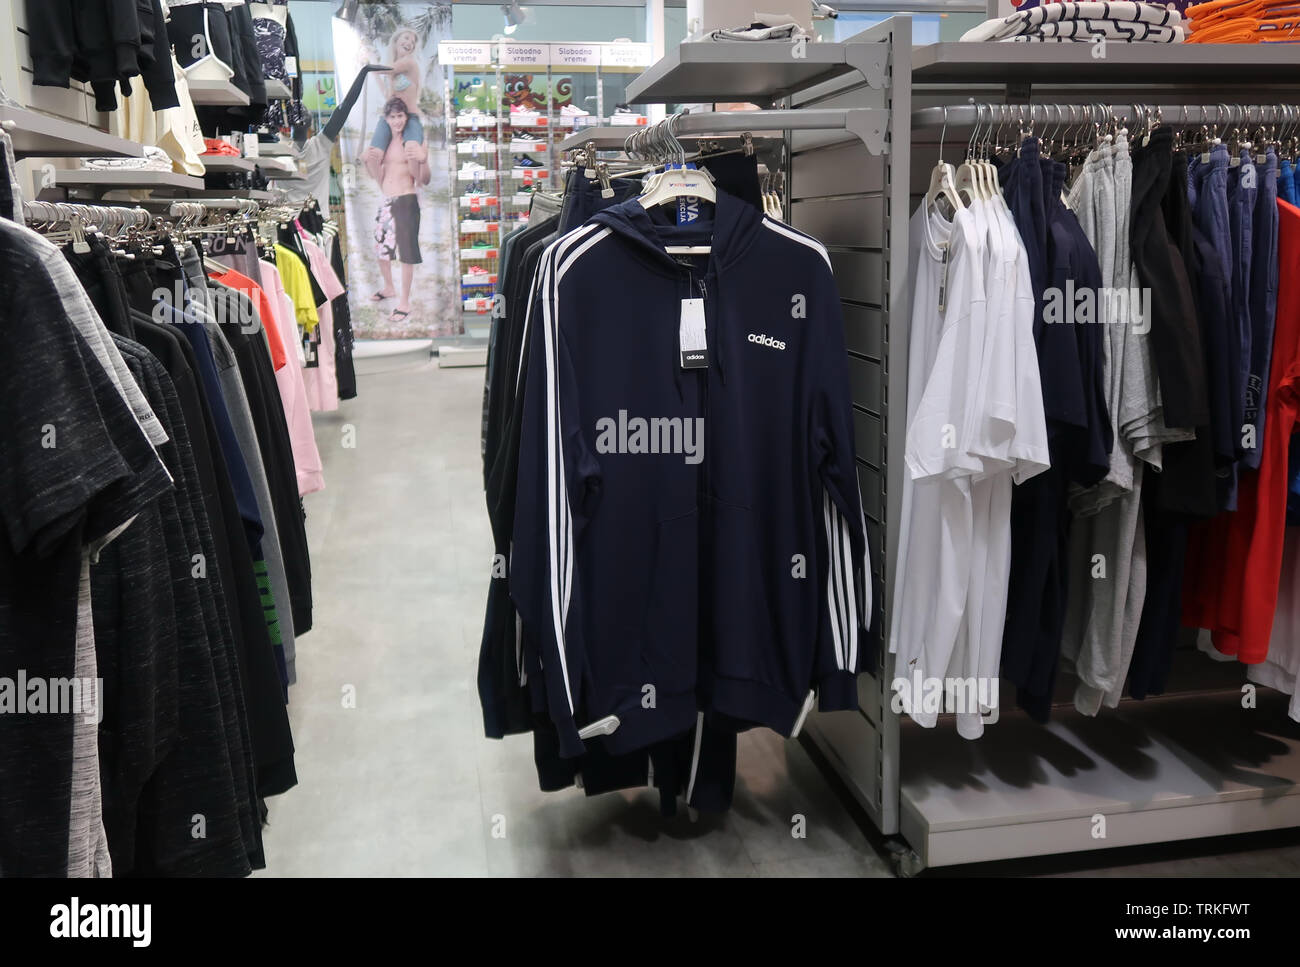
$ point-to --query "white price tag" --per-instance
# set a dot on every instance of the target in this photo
(691, 335)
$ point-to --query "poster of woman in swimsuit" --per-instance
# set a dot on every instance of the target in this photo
(396, 178)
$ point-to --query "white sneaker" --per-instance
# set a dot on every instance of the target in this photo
(472, 166)
(573, 111)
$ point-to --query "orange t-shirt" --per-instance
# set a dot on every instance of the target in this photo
(242, 283)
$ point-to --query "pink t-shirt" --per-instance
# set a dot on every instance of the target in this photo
(322, 384)
(293, 391)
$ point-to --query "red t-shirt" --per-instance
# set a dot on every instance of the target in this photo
(242, 283)
(1234, 562)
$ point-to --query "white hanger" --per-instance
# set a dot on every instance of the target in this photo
(674, 183)
(942, 178)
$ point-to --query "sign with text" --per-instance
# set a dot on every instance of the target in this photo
(456, 54)
(510, 54)
(628, 56)
(575, 55)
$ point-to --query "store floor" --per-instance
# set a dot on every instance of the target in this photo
(395, 777)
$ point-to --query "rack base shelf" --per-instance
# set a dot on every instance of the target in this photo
(1156, 771)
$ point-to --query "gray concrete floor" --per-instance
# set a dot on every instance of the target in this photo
(402, 782)
(405, 783)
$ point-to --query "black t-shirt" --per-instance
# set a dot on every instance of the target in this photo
(226, 625)
(74, 467)
(199, 766)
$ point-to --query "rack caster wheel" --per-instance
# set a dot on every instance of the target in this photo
(903, 860)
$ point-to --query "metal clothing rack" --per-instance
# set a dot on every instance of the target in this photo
(109, 217)
(1051, 113)
(859, 153)
(1181, 766)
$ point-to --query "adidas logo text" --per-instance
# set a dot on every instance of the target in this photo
(763, 340)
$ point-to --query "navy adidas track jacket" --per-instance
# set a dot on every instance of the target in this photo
(688, 539)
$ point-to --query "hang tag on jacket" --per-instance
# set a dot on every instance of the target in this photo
(691, 336)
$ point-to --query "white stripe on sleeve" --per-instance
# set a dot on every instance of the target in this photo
(833, 593)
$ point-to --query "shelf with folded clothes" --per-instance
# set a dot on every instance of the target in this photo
(277, 149)
(254, 194)
(221, 162)
(215, 92)
(111, 179)
(41, 135)
(1225, 65)
(757, 71)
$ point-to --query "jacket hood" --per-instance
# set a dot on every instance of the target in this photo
(729, 232)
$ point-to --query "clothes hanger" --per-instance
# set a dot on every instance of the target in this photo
(677, 183)
(942, 193)
(966, 179)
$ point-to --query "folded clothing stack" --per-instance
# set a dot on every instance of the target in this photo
(217, 146)
(1123, 21)
(155, 159)
(1244, 22)
(763, 28)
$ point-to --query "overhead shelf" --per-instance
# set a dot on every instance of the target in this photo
(256, 194)
(276, 149)
(761, 71)
(1220, 65)
(112, 179)
(221, 162)
(40, 135)
(204, 91)
(868, 124)
(277, 90)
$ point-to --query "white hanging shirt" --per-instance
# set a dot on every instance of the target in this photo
(945, 354)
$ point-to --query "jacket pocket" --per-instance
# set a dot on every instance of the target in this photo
(669, 647)
(745, 619)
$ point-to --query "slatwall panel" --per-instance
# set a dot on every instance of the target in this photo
(845, 196)
(76, 104)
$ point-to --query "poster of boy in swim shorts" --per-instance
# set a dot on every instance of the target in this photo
(398, 179)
